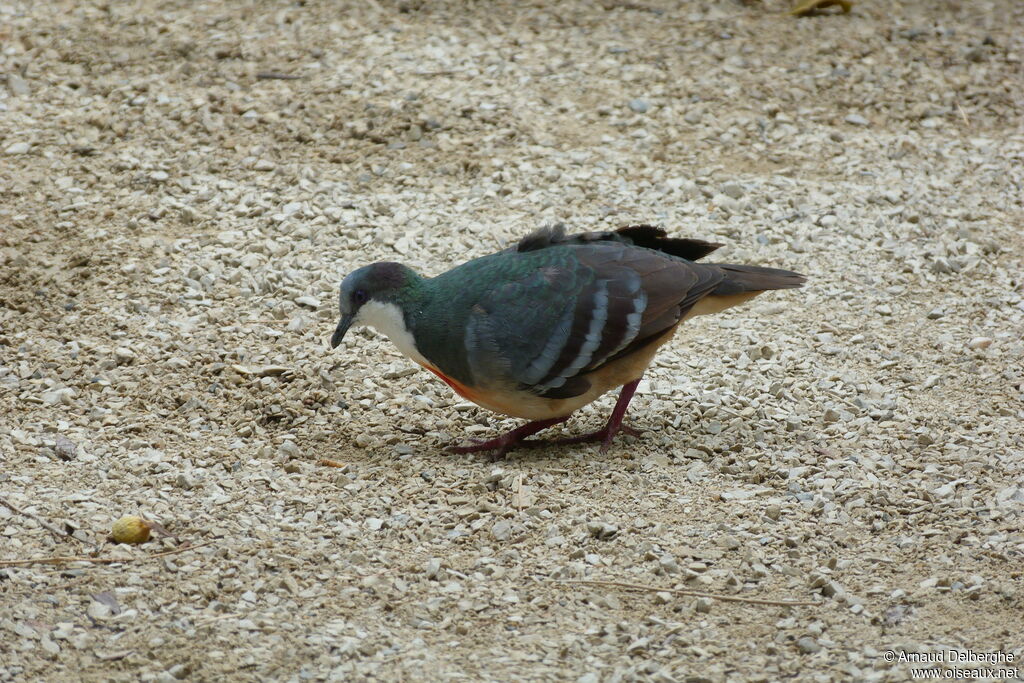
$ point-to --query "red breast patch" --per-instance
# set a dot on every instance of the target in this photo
(459, 388)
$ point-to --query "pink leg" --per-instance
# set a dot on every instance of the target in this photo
(506, 442)
(614, 425)
(517, 437)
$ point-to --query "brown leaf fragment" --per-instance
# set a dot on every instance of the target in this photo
(327, 462)
(809, 7)
(160, 529)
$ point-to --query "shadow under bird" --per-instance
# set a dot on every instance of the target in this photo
(545, 327)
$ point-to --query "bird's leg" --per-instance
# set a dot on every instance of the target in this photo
(614, 424)
(517, 437)
(506, 442)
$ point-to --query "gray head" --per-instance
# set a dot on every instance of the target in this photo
(381, 283)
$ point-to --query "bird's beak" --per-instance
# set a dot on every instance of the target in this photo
(339, 333)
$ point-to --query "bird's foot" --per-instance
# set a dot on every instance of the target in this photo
(498, 446)
(501, 445)
(605, 435)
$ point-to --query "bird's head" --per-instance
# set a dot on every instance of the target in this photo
(372, 295)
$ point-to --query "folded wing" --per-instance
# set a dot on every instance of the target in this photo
(592, 302)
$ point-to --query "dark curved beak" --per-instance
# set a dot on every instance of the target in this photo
(339, 332)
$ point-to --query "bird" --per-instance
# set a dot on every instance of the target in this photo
(544, 327)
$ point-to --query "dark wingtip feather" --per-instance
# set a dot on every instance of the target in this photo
(645, 236)
(651, 237)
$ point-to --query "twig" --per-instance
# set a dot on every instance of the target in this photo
(276, 75)
(697, 594)
(100, 560)
(113, 656)
(40, 521)
(429, 74)
(963, 115)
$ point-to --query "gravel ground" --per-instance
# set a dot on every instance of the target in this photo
(184, 184)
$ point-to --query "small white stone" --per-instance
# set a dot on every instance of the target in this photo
(18, 148)
(501, 531)
(639, 106)
(732, 189)
(433, 567)
(980, 343)
(17, 85)
(726, 203)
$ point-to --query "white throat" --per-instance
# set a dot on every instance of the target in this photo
(387, 319)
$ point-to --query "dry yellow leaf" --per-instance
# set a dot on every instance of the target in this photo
(810, 6)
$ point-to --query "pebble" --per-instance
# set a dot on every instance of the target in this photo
(639, 106)
(308, 301)
(18, 148)
(979, 343)
(501, 531)
(856, 120)
(669, 564)
(58, 397)
(808, 645)
(49, 645)
(433, 567)
(98, 611)
(17, 85)
(602, 530)
(64, 448)
(733, 189)
(180, 671)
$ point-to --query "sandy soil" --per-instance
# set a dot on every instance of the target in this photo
(184, 184)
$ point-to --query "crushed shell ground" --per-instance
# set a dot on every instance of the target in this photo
(184, 184)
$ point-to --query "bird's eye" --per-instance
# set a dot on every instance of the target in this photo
(360, 297)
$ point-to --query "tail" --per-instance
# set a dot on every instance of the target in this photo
(743, 283)
(742, 279)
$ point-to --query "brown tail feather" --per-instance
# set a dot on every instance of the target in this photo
(742, 279)
(741, 284)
